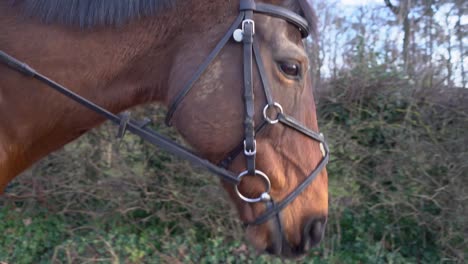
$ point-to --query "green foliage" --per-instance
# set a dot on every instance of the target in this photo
(115, 241)
(29, 238)
(399, 178)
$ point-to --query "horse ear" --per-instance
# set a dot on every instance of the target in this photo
(311, 16)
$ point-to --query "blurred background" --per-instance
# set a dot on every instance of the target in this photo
(391, 87)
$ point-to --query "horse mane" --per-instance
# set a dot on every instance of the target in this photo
(90, 13)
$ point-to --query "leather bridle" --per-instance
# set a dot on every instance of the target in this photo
(244, 34)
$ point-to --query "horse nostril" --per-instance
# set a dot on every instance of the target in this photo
(313, 232)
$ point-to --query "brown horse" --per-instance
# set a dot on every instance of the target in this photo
(123, 53)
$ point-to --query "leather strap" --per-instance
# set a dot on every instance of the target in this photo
(278, 232)
(201, 69)
(285, 14)
(247, 5)
(239, 148)
(293, 123)
(262, 72)
(16, 64)
(249, 100)
(132, 126)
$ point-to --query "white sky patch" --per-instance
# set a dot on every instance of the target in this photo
(361, 2)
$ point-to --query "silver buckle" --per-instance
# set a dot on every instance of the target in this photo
(238, 34)
(250, 152)
(250, 21)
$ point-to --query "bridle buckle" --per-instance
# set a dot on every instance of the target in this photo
(238, 34)
(248, 21)
(250, 152)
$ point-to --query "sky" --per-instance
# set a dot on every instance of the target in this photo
(349, 6)
(361, 2)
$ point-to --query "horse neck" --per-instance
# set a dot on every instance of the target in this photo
(117, 68)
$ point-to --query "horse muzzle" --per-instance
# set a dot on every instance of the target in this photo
(311, 236)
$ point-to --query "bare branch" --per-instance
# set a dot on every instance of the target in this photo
(395, 9)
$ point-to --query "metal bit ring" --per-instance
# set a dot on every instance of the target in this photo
(264, 196)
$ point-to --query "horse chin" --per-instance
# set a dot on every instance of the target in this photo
(277, 245)
(257, 239)
(286, 251)
(280, 247)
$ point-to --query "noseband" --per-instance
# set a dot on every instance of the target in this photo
(245, 34)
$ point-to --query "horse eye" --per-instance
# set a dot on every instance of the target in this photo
(290, 69)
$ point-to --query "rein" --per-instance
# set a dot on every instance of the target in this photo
(245, 35)
(137, 128)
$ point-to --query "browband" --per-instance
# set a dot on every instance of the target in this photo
(280, 12)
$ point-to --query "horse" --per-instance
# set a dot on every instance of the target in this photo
(123, 53)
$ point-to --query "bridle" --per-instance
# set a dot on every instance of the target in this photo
(249, 146)
(244, 34)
